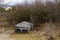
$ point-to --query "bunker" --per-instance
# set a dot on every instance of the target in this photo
(24, 26)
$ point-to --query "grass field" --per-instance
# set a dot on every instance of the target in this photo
(44, 34)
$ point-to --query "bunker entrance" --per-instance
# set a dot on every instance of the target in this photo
(19, 31)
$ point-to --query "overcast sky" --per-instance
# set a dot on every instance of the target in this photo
(13, 2)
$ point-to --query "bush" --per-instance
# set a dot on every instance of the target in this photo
(36, 13)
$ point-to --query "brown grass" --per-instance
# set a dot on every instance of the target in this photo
(47, 30)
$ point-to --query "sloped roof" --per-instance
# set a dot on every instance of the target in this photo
(24, 24)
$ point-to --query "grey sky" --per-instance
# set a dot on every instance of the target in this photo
(13, 2)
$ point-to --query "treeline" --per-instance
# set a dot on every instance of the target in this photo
(36, 13)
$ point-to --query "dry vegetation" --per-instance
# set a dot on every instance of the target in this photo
(45, 18)
(47, 31)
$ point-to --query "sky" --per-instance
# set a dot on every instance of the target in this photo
(13, 2)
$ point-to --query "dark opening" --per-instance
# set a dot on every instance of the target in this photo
(17, 30)
(24, 30)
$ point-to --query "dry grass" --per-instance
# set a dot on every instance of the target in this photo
(29, 36)
(48, 30)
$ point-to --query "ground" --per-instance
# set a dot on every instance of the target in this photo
(43, 34)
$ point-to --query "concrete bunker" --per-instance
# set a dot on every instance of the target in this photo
(24, 26)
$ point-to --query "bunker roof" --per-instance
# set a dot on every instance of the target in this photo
(24, 24)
